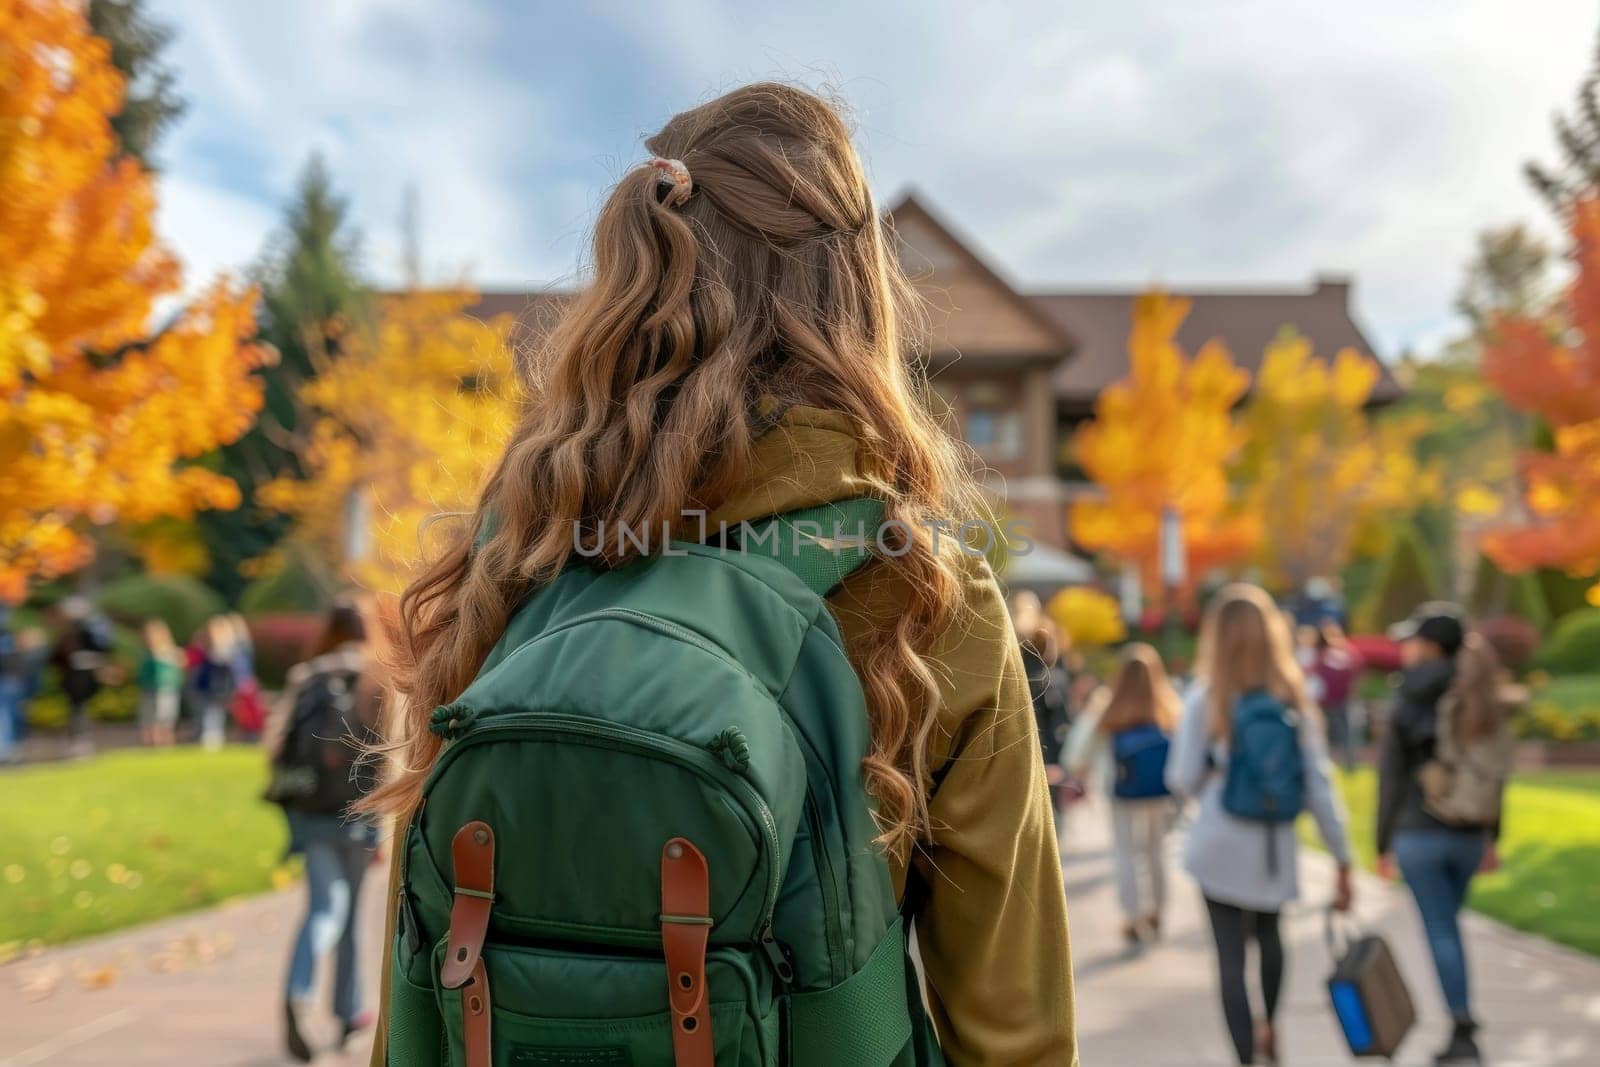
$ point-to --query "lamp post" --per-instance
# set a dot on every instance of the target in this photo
(1174, 572)
(357, 526)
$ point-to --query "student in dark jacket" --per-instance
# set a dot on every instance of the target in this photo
(79, 656)
(1437, 859)
(1049, 686)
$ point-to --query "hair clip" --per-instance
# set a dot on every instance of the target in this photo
(672, 172)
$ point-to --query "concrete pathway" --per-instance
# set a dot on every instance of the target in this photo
(201, 990)
(204, 989)
(1539, 1002)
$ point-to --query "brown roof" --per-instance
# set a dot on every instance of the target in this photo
(1244, 320)
(973, 312)
(1086, 329)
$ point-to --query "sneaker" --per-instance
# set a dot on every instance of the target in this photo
(1462, 1049)
(293, 1039)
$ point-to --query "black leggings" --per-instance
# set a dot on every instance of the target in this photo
(1231, 927)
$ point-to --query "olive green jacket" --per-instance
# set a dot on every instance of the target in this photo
(991, 923)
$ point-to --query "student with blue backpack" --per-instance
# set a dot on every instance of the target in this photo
(1122, 739)
(1250, 748)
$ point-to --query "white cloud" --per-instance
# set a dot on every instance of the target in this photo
(1234, 141)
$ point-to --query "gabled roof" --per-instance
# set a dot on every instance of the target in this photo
(1245, 320)
(977, 313)
(973, 311)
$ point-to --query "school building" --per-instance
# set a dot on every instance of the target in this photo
(1020, 368)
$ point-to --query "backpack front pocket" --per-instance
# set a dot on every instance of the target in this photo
(567, 1007)
(595, 878)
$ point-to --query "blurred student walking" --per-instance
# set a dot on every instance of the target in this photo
(1441, 776)
(328, 710)
(1335, 666)
(1122, 739)
(1049, 686)
(249, 709)
(1250, 746)
(18, 679)
(79, 656)
(215, 680)
(160, 681)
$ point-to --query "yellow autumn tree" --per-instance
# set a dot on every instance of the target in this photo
(1317, 472)
(1088, 617)
(98, 409)
(1163, 438)
(402, 426)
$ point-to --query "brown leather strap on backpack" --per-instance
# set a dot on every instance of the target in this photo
(473, 853)
(475, 1016)
(685, 931)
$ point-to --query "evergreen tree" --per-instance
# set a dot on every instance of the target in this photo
(311, 294)
(1578, 136)
(1508, 276)
(150, 102)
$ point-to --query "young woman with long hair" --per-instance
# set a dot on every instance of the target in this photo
(1248, 870)
(742, 349)
(1140, 697)
(1439, 854)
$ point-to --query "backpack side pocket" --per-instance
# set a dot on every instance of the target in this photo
(416, 1029)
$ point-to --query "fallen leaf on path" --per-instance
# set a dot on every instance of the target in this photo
(40, 984)
(102, 977)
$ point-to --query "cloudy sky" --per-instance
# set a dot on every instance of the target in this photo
(1218, 142)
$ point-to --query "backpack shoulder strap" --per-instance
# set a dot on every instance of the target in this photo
(822, 545)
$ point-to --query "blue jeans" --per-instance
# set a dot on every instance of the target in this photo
(1438, 866)
(337, 856)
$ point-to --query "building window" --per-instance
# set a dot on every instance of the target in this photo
(994, 434)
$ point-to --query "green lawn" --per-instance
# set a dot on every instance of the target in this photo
(1549, 879)
(132, 836)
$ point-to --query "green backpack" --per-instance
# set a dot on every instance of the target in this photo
(646, 840)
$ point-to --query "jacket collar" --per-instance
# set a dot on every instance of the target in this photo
(809, 457)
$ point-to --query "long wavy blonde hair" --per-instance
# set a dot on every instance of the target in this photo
(773, 282)
(1246, 644)
(1141, 693)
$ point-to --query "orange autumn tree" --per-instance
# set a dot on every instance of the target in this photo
(97, 416)
(1163, 438)
(1552, 370)
(1317, 472)
(403, 426)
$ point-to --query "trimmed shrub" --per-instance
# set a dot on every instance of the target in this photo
(1546, 722)
(183, 602)
(1573, 647)
(118, 703)
(298, 587)
(1563, 594)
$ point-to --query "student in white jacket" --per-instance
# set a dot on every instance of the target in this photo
(1249, 870)
(1141, 708)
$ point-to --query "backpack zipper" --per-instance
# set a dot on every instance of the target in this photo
(834, 929)
(681, 752)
